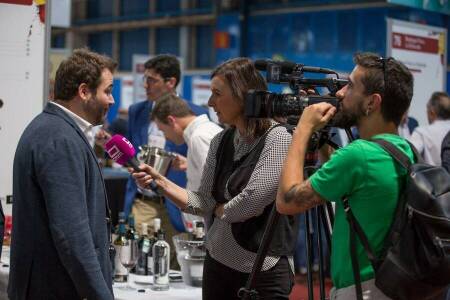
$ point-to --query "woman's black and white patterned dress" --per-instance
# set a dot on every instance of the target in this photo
(260, 191)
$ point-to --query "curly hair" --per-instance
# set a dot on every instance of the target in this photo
(391, 79)
(83, 66)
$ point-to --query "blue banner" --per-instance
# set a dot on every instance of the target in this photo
(432, 5)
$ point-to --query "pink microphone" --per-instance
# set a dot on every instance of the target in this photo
(122, 151)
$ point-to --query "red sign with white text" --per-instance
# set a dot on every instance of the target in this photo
(18, 2)
(414, 43)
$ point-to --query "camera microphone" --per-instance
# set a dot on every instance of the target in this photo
(288, 67)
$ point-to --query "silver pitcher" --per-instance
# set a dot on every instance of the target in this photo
(158, 158)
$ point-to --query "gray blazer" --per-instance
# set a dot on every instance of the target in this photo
(60, 235)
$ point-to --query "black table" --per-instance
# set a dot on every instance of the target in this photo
(115, 183)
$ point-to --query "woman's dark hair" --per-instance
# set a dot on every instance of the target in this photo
(83, 66)
(241, 76)
(391, 79)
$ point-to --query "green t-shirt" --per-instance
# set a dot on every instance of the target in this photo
(371, 179)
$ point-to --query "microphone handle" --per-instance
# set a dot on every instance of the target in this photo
(134, 163)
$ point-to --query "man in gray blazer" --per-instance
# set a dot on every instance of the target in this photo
(60, 235)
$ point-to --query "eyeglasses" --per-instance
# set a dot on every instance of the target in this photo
(152, 80)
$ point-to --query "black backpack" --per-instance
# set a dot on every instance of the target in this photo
(415, 261)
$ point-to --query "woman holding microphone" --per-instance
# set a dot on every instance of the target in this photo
(237, 191)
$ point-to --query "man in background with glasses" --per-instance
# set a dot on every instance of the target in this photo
(161, 77)
(376, 97)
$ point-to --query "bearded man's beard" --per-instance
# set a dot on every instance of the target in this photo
(345, 118)
(98, 112)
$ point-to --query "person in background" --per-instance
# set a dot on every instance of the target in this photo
(407, 126)
(445, 152)
(161, 77)
(376, 97)
(120, 124)
(428, 139)
(61, 234)
(237, 192)
(180, 125)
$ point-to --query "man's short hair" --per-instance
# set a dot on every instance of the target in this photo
(440, 104)
(391, 79)
(83, 66)
(166, 65)
(171, 105)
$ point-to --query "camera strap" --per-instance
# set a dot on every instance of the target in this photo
(248, 292)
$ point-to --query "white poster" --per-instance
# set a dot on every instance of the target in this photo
(423, 50)
(61, 11)
(22, 76)
(138, 61)
(126, 91)
(201, 91)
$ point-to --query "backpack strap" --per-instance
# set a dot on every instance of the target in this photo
(417, 155)
(406, 163)
(356, 230)
(398, 155)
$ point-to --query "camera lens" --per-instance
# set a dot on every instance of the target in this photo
(287, 105)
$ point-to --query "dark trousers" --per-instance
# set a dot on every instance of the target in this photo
(221, 282)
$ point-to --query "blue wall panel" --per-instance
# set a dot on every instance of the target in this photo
(187, 84)
(167, 5)
(132, 42)
(168, 40)
(229, 23)
(58, 41)
(116, 92)
(204, 3)
(204, 47)
(101, 42)
(99, 9)
(328, 38)
(134, 7)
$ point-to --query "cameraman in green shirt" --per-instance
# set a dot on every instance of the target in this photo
(379, 92)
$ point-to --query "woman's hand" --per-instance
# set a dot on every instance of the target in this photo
(146, 176)
(219, 210)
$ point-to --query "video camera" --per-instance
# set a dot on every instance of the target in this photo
(264, 104)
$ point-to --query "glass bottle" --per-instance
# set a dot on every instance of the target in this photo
(120, 272)
(153, 239)
(145, 249)
(161, 263)
(132, 233)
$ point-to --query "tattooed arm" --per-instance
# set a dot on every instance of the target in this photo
(302, 197)
(295, 195)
